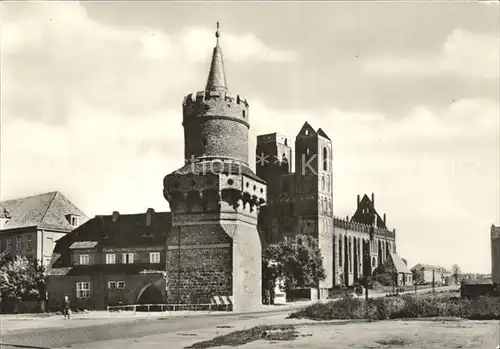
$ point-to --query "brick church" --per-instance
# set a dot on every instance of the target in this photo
(222, 214)
(301, 202)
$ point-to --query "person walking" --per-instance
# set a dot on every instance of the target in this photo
(66, 308)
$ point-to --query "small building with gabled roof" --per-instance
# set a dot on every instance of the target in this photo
(30, 226)
(402, 275)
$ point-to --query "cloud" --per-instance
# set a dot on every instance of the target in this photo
(52, 52)
(198, 43)
(464, 54)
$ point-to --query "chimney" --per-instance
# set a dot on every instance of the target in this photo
(116, 214)
(385, 219)
(149, 216)
(359, 199)
(373, 200)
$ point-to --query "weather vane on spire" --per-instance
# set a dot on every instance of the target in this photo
(217, 34)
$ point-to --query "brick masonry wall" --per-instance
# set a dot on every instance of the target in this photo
(196, 274)
(198, 234)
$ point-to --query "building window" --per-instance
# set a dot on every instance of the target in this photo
(84, 259)
(374, 262)
(110, 258)
(128, 258)
(18, 243)
(120, 284)
(244, 114)
(112, 285)
(30, 243)
(83, 290)
(154, 257)
(9, 244)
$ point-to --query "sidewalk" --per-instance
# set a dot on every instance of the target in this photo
(14, 322)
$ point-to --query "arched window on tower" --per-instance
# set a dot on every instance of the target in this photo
(325, 159)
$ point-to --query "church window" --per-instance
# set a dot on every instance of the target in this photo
(244, 114)
(340, 251)
(325, 159)
(306, 132)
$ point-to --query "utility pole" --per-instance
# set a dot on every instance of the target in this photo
(366, 287)
(433, 278)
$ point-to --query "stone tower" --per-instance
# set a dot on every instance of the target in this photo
(314, 194)
(214, 247)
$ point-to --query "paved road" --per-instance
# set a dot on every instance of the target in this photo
(45, 338)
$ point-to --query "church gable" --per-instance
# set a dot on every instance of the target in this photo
(306, 131)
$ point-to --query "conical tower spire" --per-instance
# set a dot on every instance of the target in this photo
(217, 76)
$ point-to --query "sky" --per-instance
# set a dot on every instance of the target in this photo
(408, 92)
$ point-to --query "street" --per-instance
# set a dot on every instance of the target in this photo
(129, 329)
(115, 332)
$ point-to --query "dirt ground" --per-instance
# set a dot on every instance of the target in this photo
(393, 334)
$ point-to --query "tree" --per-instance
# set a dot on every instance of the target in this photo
(418, 277)
(456, 272)
(383, 274)
(21, 279)
(298, 261)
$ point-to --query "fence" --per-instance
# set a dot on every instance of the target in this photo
(170, 307)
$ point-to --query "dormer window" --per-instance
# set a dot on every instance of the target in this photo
(74, 220)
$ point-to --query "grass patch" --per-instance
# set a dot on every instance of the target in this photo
(237, 338)
(404, 307)
(393, 342)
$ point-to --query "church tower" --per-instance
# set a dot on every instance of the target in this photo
(214, 247)
(314, 194)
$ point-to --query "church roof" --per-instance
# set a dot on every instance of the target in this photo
(217, 76)
(48, 210)
(399, 265)
(367, 217)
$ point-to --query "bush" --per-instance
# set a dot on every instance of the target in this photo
(406, 306)
(343, 308)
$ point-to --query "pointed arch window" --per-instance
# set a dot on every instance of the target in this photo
(325, 159)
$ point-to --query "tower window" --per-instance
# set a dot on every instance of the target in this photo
(306, 132)
(244, 114)
(325, 159)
